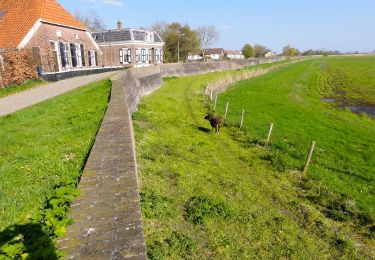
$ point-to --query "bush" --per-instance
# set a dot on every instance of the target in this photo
(19, 66)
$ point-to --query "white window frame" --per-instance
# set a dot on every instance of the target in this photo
(78, 55)
(67, 55)
(57, 50)
(138, 55)
(92, 56)
(157, 55)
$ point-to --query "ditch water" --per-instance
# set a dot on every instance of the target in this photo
(358, 109)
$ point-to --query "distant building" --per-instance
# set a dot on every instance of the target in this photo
(194, 57)
(270, 54)
(234, 55)
(56, 38)
(214, 54)
(129, 47)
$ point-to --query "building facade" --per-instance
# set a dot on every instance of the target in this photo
(60, 42)
(234, 55)
(129, 47)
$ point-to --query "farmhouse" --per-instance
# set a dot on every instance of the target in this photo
(270, 54)
(234, 55)
(214, 53)
(56, 38)
(129, 47)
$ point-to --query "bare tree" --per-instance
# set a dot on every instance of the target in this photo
(91, 20)
(208, 35)
(161, 27)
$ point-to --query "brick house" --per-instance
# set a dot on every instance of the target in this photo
(129, 47)
(60, 41)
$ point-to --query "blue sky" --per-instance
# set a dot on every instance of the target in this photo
(345, 25)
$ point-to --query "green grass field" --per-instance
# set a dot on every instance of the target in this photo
(349, 80)
(226, 196)
(43, 149)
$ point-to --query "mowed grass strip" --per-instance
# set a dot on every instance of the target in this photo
(45, 145)
(18, 88)
(225, 196)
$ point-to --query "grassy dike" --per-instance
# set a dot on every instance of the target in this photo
(226, 196)
(43, 150)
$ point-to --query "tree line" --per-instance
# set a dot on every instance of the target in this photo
(181, 40)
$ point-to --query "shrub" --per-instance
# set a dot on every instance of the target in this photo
(19, 66)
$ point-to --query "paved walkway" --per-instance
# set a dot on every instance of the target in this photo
(107, 214)
(33, 96)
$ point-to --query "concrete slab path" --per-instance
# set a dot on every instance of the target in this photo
(107, 214)
(36, 95)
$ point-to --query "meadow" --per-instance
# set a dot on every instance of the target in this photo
(228, 196)
(43, 150)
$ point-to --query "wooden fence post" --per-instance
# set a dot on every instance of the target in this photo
(269, 134)
(211, 95)
(215, 102)
(243, 112)
(309, 157)
(226, 110)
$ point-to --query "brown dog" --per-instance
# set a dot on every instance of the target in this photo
(215, 121)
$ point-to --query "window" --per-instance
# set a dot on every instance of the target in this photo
(75, 36)
(138, 55)
(64, 54)
(149, 55)
(93, 58)
(129, 56)
(83, 56)
(125, 56)
(144, 55)
(157, 55)
(56, 57)
(1, 14)
(73, 51)
(89, 56)
(79, 54)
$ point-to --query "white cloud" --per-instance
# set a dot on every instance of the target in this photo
(225, 27)
(117, 3)
(113, 2)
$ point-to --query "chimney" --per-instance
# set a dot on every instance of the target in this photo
(119, 24)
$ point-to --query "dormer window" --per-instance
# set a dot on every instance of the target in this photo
(1, 14)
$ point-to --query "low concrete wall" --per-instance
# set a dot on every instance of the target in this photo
(57, 76)
(186, 69)
(139, 82)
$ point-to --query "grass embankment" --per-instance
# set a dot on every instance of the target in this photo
(42, 153)
(18, 88)
(225, 196)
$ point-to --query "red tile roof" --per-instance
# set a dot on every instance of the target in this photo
(20, 16)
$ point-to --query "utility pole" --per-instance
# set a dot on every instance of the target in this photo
(178, 46)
